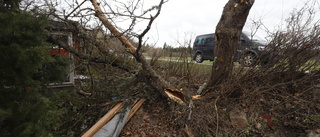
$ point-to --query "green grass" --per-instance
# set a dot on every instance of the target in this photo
(311, 65)
(175, 58)
(314, 65)
(189, 59)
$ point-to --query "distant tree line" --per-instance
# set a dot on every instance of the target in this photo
(175, 51)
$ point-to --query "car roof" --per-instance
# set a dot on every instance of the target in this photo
(205, 35)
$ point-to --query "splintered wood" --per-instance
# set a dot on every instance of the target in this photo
(176, 95)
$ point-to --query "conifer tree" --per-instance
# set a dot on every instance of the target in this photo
(24, 108)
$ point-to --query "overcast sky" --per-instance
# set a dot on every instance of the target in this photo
(184, 19)
(188, 18)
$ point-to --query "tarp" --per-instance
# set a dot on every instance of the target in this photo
(115, 125)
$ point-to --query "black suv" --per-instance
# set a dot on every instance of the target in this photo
(247, 54)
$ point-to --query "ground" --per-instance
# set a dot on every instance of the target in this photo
(151, 120)
(288, 118)
(291, 106)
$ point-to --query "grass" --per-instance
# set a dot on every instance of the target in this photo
(314, 65)
(189, 59)
(186, 73)
(179, 58)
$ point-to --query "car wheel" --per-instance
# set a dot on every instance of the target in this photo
(248, 60)
(199, 58)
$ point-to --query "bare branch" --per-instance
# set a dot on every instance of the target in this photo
(110, 59)
(149, 25)
(75, 8)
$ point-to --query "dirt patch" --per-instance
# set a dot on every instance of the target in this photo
(153, 119)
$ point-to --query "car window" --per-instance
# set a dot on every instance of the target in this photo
(200, 40)
(209, 40)
(204, 39)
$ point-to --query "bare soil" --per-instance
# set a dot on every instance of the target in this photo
(153, 119)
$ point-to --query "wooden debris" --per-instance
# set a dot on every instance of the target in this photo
(196, 97)
(106, 118)
(176, 95)
(135, 108)
(188, 131)
(96, 127)
(81, 92)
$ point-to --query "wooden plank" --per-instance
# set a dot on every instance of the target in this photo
(135, 108)
(96, 127)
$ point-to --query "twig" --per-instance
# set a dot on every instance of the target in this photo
(190, 106)
(217, 115)
(75, 9)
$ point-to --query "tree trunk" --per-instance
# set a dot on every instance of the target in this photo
(227, 35)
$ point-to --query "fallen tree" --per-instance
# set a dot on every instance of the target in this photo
(147, 72)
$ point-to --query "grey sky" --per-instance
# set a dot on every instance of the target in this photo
(184, 19)
(187, 18)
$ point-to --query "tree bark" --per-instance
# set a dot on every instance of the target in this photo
(227, 35)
